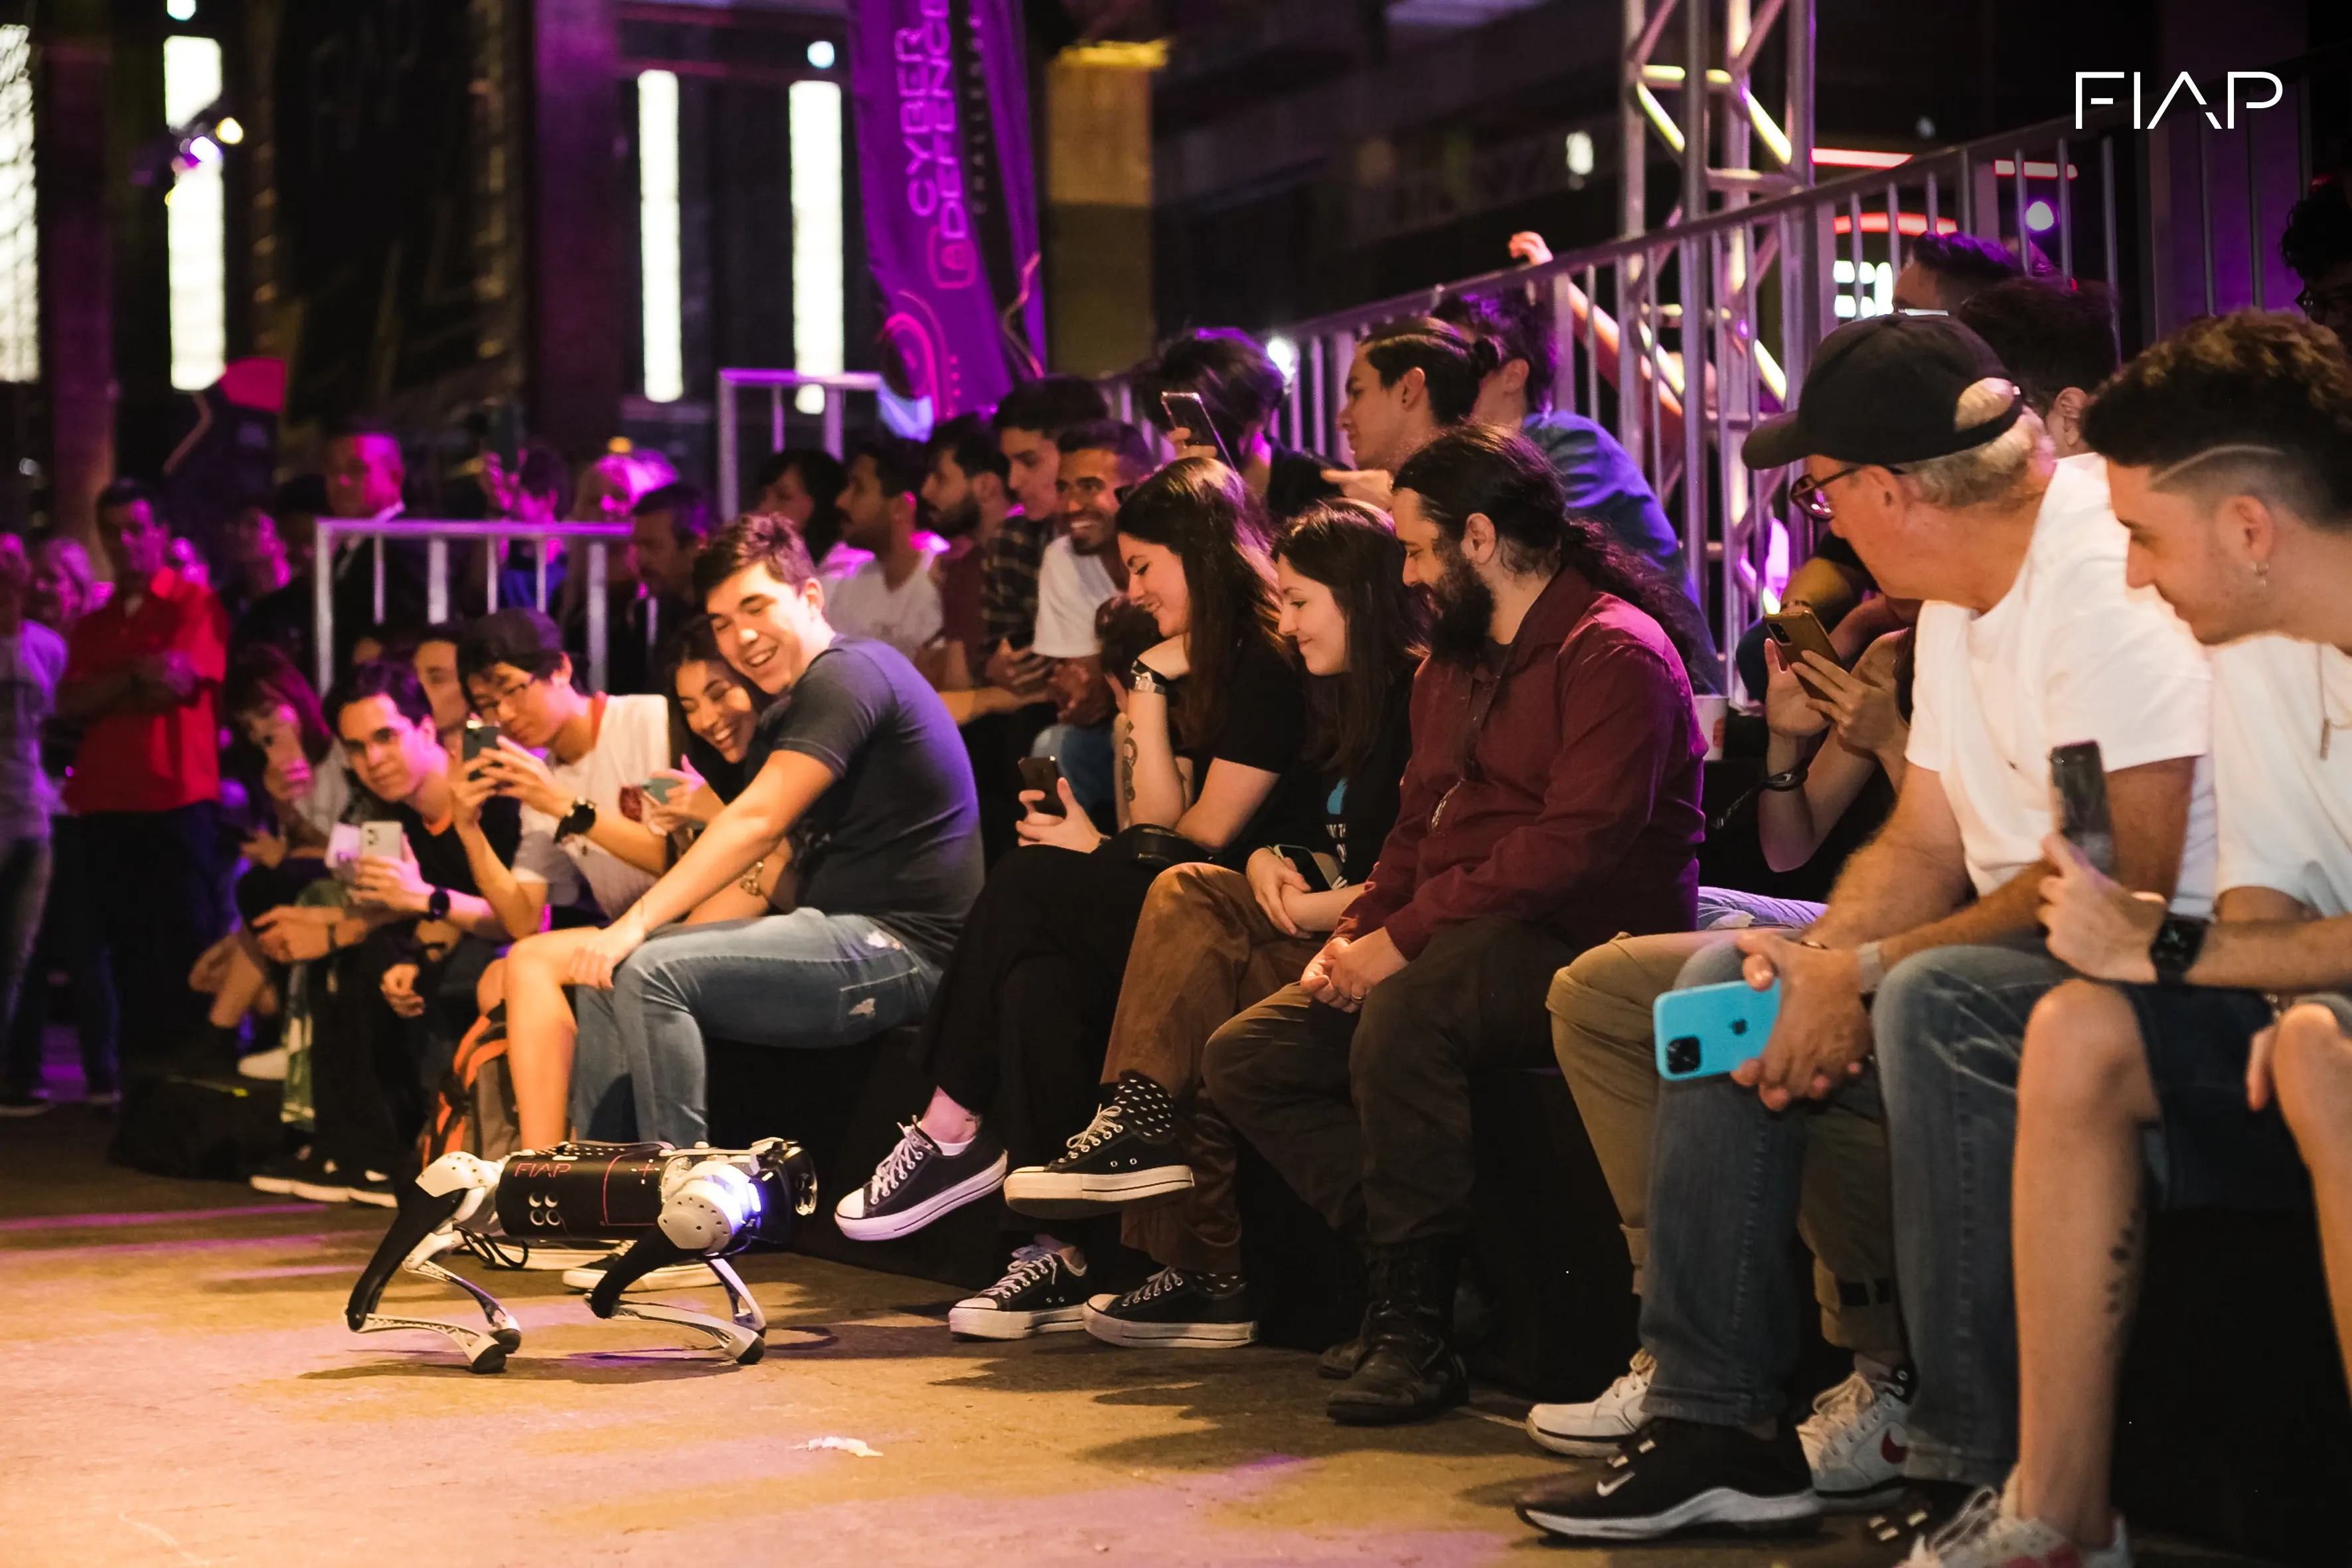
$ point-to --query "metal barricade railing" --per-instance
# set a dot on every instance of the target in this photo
(437, 534)
(1764, 282)
(830, 399)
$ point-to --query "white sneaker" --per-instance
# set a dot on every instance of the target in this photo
(668, 1276)
(268, 1066)
(1987, 1534)
(1856, 1441)
(1593, 1430)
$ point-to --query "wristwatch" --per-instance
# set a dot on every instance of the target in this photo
(579, 819)
(1142, 677)
(2174, 951)
(1870, 969)
(437, 906)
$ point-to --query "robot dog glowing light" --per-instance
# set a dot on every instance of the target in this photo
(670, 1206)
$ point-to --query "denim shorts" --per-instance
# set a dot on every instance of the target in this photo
(2209, 1151)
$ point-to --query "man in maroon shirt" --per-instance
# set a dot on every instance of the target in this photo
(141, 672)
(1551, 801)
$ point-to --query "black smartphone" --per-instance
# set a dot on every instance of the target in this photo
(1188, 422)
(2078, 788)
(1307, 863)
(479, 737)
(1042, 774)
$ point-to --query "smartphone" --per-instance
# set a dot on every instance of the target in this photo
(660, 789)
(1042, 774)
(1188, 417)
(379, 840)
(2078, 790)
(1710, 1029)
(342, 851)
(1320, 870)
(479, 737)
(1799, 632)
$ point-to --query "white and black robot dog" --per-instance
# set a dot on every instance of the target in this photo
(668, 1204)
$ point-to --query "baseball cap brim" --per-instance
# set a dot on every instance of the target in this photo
(1777, 442)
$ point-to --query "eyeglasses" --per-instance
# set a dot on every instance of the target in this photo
(498, 700)
(1806, 496)
(2325, 304)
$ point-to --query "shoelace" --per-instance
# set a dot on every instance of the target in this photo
(1106, 1125)
(1842, 1407)
(1159, 1285)
(1030, 1264)
(1975, 1520)
(900, 1164)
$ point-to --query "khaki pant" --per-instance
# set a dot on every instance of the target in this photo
(1601, 1032)
(1204, 951)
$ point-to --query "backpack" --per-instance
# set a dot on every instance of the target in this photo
(475, 1110)
(220, 1128)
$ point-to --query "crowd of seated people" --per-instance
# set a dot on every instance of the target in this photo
(1178, 792)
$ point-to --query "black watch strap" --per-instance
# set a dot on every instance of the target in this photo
(2174, 951)
(579, 819)
(437, 906)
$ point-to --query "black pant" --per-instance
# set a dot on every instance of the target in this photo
(155, 878)
(1367, 1115)
(371, 1071)
(1020, 1019)
(69, 940)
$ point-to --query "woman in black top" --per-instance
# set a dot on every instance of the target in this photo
(1213, 755)
(1212, 942)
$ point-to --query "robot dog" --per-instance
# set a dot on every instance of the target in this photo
(671, 1205)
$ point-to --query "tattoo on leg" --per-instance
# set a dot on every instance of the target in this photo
(2129, 1257)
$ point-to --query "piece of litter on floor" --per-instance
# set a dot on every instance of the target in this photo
(846, 1445)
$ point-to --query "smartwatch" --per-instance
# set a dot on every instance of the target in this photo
(579, 819)
(437, 906)
(2174, 951)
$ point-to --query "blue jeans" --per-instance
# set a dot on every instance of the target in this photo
(1951, 1029)
(1726, 1184)
(806, 980)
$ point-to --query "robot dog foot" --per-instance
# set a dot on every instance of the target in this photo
(740, 1335)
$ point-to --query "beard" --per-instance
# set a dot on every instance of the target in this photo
(1465, 609)
(959, 520)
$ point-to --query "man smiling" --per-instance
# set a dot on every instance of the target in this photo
(860, 767)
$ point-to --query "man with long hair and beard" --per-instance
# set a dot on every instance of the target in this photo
(1551, 801)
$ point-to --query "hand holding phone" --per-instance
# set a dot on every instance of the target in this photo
(1044, 776)
(1799, 632)
(1711, 1029)
(1188, 422)
(381, 841)
(2078, 788)
(479, 737)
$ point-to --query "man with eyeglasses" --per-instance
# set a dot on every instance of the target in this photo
(2318, 245)
(1925, 457)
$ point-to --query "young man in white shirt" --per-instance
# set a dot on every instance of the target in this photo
(1100, 459)
(2226, 446)
(566, 756)
(893, 598)
(1926, 459)
(32, 659)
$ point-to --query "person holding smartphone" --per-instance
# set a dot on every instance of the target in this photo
(1240, 389)
(1211, 940)
(1016, 1030)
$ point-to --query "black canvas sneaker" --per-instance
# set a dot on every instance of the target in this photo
(1673, 1475)
(282, 1175)
(1126, 1153)
(1041, 1293)
(1176, 1307)
(324, 1182)
(375, 1189)
(917, 1183)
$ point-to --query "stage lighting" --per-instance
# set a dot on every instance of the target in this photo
(228, 132)
(820, 55)
(179, 10)
(2038, 217)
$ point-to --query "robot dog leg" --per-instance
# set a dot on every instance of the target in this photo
(670, 1204)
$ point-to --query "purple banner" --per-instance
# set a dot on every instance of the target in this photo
(939, 92)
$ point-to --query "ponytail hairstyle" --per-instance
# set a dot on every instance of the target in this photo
(1478, 469)
(1451, 363)
(1199, 509)
(1350, 549)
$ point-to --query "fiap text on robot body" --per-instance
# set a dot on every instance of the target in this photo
(2231, 100)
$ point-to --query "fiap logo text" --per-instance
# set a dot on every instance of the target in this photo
(2230, 101)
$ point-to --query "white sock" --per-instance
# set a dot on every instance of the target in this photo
(947, 1148)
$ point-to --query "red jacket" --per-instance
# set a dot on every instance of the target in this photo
(1580, 813)
(137, 759)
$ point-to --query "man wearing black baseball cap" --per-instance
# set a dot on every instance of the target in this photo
(1919, 450)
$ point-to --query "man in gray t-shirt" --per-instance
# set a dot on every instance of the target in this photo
(32, 659)
(857, 774)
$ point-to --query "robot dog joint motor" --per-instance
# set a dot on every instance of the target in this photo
(668, 1204)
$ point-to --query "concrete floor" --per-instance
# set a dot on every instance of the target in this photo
(178, 1389)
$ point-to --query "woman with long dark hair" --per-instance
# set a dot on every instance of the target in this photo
(1213, 940)
(1210, 770)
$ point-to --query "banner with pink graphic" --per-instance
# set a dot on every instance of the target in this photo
(940, 98)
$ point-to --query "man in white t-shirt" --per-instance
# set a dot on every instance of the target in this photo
(1925, 457)
(2227, 445)
(893, 598)
(566, 757)
(1081, 569)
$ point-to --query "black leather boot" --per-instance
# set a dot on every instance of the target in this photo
(1409, 1371)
